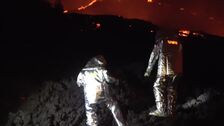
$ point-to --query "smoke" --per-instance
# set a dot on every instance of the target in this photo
(200, 15)
(199, 100)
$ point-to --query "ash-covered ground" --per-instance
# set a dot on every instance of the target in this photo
(61, 103)
(43, 50)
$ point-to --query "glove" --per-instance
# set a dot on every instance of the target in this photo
(78, 84)
(146, 74)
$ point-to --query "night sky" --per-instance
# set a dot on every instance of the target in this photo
(200, 15)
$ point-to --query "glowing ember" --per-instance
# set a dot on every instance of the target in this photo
(65, 11)
(172, 42)
(184, 14)
(198, 34)
(182, 9)
(88, 5)
(149, 1)
(184, 33)
(195, 33)
(98, 25)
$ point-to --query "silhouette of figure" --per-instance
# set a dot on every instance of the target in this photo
(168, 52)
(95, 79)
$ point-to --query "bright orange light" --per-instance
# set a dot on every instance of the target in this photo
(65, 11)
(172, 42)
(149, 1)
(88, 5)
(184, 33)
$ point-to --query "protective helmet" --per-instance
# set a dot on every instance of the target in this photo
(97, 61)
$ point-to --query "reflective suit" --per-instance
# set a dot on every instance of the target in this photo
(96, 81)
(168, 53)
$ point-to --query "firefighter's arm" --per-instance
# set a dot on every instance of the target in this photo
(152, 60)
(80, 79)
(109, 78)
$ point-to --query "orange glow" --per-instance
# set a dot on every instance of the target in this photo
(184, 14)
(172, 42)
(65, 11)
(88, 5)
(184, 33)
(149, 1)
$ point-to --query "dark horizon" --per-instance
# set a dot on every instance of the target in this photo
(201, 15)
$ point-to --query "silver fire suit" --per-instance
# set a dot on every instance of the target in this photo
(96, 81)
(168, 53)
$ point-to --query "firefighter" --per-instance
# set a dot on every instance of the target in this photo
(168, 52)
(96, 80)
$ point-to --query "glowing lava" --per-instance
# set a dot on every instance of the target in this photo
(65, 11)
(98, 25)
(196, 15)
(172, 42)
(88, 5)
(149, 1)
(184, 33)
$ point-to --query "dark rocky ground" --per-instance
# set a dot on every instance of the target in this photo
(43, 50)
(61, 103)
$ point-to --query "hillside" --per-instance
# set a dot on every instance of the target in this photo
(43, 50)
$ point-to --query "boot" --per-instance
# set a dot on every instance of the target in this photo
(160, 112)
(116, 112)
(159, 89)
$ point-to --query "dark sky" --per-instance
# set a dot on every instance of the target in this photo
(202, 15)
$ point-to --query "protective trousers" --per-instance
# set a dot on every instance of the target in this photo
(112, 106)
(165, 94)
